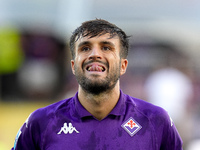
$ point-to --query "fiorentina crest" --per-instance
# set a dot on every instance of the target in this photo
(131, 126)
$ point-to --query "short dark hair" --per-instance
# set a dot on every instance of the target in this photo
(100, 27)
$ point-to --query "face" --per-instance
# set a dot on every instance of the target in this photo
(97, 64)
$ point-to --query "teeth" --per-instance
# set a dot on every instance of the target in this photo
(101, 68)
(89, 68)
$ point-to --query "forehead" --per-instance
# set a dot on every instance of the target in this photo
(98, 39)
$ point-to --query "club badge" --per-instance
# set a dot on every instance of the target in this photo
(131, 126)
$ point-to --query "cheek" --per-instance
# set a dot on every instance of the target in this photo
(78, 63)
(116, 56)
(115, 65)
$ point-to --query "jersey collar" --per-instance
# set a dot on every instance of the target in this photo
(82, 112)
(120, 107)
(118, 110)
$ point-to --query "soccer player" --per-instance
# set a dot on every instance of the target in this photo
(99, 116)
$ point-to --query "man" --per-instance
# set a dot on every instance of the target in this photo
(100, 116)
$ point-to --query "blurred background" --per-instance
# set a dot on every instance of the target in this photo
(163, 66)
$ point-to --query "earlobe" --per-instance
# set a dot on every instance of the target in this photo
(124, 65)
(72, 67)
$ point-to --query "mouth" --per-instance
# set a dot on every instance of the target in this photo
(95, 68)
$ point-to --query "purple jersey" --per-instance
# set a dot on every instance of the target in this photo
(66, 125)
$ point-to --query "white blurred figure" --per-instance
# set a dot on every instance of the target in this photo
(38, 76)
(171, 89)
(194, 145)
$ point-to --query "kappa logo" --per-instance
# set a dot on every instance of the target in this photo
(68, 129)
(131, 126)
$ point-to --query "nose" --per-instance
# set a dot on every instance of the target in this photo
(95, 54)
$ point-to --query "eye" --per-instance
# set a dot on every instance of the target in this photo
(85, 48)
(106, 48)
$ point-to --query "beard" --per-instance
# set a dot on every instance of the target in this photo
(96, 86)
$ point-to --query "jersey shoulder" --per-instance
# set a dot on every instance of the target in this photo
(45, 114)
(155, 114)
(32, 132)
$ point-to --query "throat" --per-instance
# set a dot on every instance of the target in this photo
(100, 111)
(99, 105)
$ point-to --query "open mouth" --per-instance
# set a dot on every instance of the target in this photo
(96, 68)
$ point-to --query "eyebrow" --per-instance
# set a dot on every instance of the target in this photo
(107, 43)
(84, 43)
(89, 43)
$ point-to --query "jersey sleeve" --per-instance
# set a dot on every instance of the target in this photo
(29, 135)
(167, 133)
(171, 138)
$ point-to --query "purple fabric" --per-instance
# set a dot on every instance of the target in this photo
(66, 125)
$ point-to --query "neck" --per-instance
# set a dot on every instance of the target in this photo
(99, 105)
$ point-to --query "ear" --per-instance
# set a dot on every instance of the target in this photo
(124, 65)
(72, 67)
